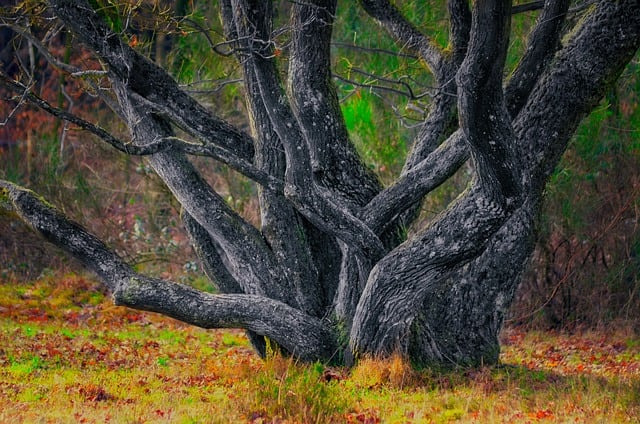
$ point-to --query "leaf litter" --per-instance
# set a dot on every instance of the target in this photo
(68, 355)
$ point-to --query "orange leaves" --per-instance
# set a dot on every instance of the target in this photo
(596, 354)
(542, 414)
(365, 417)
(537, 415)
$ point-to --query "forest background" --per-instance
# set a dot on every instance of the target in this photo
(586, 266)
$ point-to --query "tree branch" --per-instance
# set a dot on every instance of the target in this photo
(581, 72)
(310, 200)
(281, 225)
(527, 7)
(542, 45)
(149, 80)
(416, 183)
(131, 149)
(214, 263)
(399, 283)
(402, 30)
(484, 119)
(253, 263)
(155, 146)
(336, 165)
(56, 228)
(300, 334)
(460, 25)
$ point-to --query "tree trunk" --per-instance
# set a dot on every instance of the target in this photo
(327, 276)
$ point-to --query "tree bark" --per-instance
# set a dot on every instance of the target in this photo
(461, 322)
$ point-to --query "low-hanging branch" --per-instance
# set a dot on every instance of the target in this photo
(158, 145)
(297, 332)
(131, 149)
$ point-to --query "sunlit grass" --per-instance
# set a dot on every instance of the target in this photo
(66, 358)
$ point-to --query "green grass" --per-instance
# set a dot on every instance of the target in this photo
(66, 358)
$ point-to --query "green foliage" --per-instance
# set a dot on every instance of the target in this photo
(111, 12)
(380, 120)
(521, 25)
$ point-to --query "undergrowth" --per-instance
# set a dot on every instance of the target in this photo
(68, 355)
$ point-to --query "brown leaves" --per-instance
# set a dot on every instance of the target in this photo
(93, 393)
(596, 354)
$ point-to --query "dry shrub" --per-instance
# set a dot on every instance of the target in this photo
(585, 270)
(395, 371)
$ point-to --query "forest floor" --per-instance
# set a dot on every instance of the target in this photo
(68, 355)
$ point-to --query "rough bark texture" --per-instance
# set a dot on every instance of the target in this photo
(325, 276)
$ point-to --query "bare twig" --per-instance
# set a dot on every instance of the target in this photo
(374, 50)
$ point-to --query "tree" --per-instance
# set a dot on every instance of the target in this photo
(330, 274)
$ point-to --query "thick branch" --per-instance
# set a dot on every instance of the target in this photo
(56, 228)
(301, 335)
(400, 282)
(253, 264)
(310, 200)
(541, 47)
(606, 40)
(528, 7)
(441, 118)
(149, 80)
(484, 119)
(414, 184)
(315, 104)
(281, 225)
(460, 25)
(214, 262)
(402, 30)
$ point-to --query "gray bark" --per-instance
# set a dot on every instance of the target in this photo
(474, 301)
(324, 276)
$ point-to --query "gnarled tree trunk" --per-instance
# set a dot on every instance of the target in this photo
(328, 276)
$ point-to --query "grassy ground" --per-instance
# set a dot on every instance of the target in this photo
(68, 355)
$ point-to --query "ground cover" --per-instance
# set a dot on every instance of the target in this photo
(68, 355)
